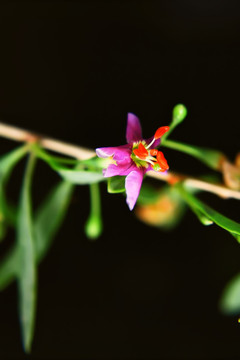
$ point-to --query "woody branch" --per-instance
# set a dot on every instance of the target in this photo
(81, 153)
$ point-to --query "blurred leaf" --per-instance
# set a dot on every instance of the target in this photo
(2, 227)
(47, 221)
(148, 194)
(211, 214)
(116, 184)
(8, 161)
(57, 163)
(95, 163)
(52, 160)
(77, 175)
(237, 237)
(26, 256)
(230, 299)
(202, 218)
(80, 177)
(7, 164)
(50, 216)
(209, 157)
(9, 267)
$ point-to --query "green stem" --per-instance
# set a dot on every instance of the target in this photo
(166, 135)
(209, 157)
(95, 200)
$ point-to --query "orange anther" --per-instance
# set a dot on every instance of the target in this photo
(153, 152)
(161, 131)
(162, 161)
(141, 152)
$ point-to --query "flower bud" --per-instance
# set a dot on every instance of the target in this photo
(93, 227)
(179, 113)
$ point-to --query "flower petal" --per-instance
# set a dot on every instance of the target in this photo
(105, 152)
(122, 154)
(121, 169)
(134, 130)
(133, 185)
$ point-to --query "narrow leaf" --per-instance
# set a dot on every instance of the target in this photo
(27, 269)
(50, 216)
(8, 161)
(9, 267)
(7, 164)
(80, 177)
(201, 217)
(219, 219)
(47, 221)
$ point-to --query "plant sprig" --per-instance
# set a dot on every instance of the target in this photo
(163, 207)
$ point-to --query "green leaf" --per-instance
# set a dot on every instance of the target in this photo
(237, 237)
(46, 223)
(116, 184)
(230, 299)
(148, 194)
(27, 270)
(7, 164)
(8, 161)
(50, 216)
(211, 214)
(209, 157)
(202, 218)
(9, 267)
(2, 227)
(80, 177)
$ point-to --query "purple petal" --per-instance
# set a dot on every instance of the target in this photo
(133, 185)
(134, 130)
(121, 169)
(105, 152)
(121, 154)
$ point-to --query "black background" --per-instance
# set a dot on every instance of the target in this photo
(73, 71)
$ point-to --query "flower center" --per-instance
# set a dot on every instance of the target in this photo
(143, 156)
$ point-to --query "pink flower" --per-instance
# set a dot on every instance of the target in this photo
(135, 158)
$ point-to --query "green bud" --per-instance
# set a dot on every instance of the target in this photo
(93, 227)
(179, 113)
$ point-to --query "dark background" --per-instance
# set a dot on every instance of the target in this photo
(73, 71)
